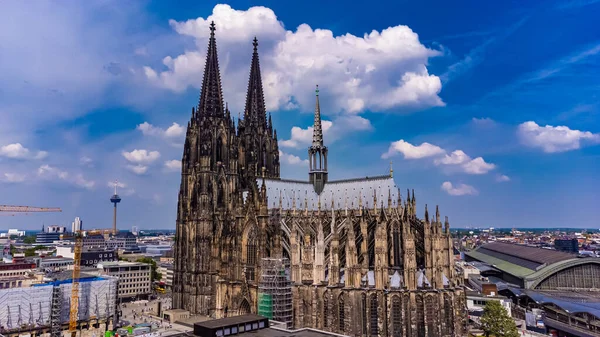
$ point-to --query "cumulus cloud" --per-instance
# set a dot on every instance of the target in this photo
(53, 173)
(173, 131)
(459, 189)
(18, 151)
(501, 178)
(457, 160)
(173, 165)
(138, 169)
(553, 139)
(291, 159)
(141, 156)
(378, 71)
(411, 151)
(460, 159)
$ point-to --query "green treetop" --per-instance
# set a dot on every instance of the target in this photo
(496, 321)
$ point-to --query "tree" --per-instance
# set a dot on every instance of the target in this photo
(495, 321)
(29, 239)
(156, 276)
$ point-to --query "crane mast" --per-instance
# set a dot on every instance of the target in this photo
(74, 310)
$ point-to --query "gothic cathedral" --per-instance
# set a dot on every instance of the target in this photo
(361, 263)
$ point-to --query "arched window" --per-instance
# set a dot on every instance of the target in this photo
(341, 309)
(220, 150)
(420, 317)
(431, 313)
(251, 254)
(374, 328)
(396, 317)
(397, 248)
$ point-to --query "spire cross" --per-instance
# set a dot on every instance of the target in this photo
(317, 90)
(255, 43)
(212, 28)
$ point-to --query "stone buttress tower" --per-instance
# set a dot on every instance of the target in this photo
(209, 182)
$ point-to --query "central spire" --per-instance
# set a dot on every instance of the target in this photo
(255, 112)
(317, 153)
(211, 95)
(317, 128)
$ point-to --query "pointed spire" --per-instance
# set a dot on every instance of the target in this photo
(437, 214)
(426, 214)
(391, 170)
(317, 128)
(255, 111)
(389, 198)
(211, 95)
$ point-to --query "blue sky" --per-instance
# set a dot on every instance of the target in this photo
(490, 110)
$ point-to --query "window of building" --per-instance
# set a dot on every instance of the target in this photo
(396, 317)
(374, 328)
(341, 317)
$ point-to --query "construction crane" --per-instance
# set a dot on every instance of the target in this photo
(4, 209)
(79, 235)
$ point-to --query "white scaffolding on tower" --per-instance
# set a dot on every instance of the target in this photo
(275, 291)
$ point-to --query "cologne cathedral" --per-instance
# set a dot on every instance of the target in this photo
(361, 263)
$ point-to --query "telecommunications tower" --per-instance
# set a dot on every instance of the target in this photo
(115, 199)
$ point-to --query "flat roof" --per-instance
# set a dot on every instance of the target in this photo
(121, 264)
(222, 322)
(271, 332)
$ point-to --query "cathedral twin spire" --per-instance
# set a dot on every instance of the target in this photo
(255, 111)
(211, 97)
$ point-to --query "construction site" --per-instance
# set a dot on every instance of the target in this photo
(46, 308)
(275, 291)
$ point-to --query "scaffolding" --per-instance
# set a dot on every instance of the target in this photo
(275, 291)
(56, 307)
(44, 306)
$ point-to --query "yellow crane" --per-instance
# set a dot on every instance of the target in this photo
(79, 235)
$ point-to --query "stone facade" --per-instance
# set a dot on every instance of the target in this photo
(361, 261)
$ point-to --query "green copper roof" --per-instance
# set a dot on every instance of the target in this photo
(504, 266)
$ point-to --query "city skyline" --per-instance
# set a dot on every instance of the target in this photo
(489, 118)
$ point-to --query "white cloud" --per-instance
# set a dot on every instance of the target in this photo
(18, 151)
(50, 172)
(141, 156)
(501, 178)
(291, 159)
(86, 161)
(138, 169)
(483, 122)
(554, 138)
(173, 131)
(173, 165)
(460, 159)
(411, 151)
(459, 189)
(457, 160)
(303, 137)
(378, 71)
(14, 177)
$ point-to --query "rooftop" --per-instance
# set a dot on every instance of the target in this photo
(517, 260)
(216, 323)
(121, 264)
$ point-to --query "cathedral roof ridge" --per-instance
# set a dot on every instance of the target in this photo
(366, 178)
